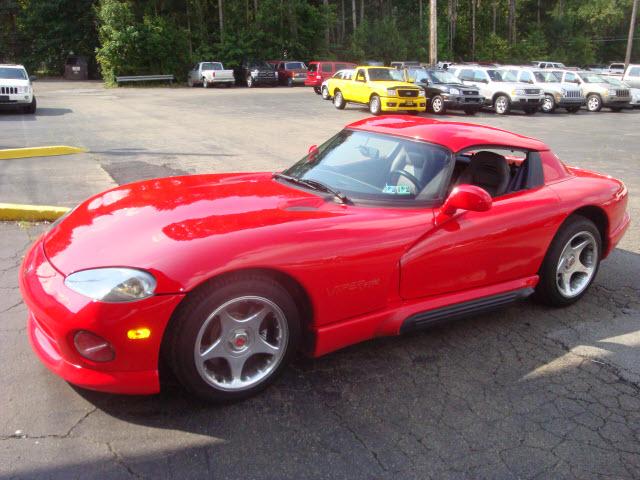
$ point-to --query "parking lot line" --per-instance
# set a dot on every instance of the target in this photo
(48, 151)
(33, 213)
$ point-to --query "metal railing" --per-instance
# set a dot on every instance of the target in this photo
(145, 78)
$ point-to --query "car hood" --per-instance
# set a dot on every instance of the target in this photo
(9, 82)
(393, 84)
(512, 85)
(163, 224)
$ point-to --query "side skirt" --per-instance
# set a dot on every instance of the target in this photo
(429, 318)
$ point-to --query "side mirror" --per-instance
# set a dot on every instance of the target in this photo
(33, 78)
(312, 154)
(464, 197)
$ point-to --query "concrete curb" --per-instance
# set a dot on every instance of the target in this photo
(11, 153)
(30, 213)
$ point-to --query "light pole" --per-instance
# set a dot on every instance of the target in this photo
(433, 32)
(632, 27)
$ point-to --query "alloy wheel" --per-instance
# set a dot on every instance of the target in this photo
(577, 264)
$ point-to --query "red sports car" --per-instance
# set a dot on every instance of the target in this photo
(392, 225)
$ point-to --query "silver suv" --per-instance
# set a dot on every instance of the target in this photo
(556, 93)
(500, 89)
(600, 91)
(15, 88)
(632, 76)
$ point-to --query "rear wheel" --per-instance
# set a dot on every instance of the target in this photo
(375, 107)
(338, 100)
(205, 83)
(317, 90)
(250, 83)
(437, 105)
(232, 338)
(548, 104)
(594, 102)
(289, 82)
(571, 263)
(502, 105)
(325, 93)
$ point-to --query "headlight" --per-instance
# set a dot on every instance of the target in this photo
(612, 93)
(421, 93)
(112, 285)
(563, 92)
(454, 91)
(391, 92)
(517, 91)
(254, 73)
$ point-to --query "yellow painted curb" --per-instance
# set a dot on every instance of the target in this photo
(11, 153)
(30, 213)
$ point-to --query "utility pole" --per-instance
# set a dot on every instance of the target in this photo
(433, 32)
(632, 27)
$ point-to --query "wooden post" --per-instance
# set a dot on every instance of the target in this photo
(433, 32)
(632, 28)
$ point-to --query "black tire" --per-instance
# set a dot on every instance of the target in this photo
(548, 104)
(470, 111)
(31, 108)
(437, 106)
(325, 93)
(501, 105)
(317, 90)
(338, 100)
(195, 309)
(547, 290)
(573, 109)
(375, 105)
(594, 103)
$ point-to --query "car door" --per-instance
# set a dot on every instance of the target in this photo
(194, 73)
(477, 249)
(357, 88)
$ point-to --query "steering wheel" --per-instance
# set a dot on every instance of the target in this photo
(410, 177)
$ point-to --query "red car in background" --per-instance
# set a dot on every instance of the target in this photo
(394, 224)
(319, 71)
(290, 72)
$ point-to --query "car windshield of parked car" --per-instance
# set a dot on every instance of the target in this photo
(259, 64)
(501, 76)
(13, 73)
(444, 77)
(367, 166)
(385, 74)
(591, 78)
(211, 66)
(613, 81)
(295, 66)
(546, 77)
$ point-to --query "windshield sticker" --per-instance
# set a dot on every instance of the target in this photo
(397, 189)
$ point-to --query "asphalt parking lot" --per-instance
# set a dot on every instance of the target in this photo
(527, 392)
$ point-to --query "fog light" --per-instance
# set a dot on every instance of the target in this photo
(391, 104)
(93, 347)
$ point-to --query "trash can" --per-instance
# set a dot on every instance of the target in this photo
(75, 68)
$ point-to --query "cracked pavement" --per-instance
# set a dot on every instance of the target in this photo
(528, 392)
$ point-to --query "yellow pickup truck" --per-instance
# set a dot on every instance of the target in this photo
(382, 88)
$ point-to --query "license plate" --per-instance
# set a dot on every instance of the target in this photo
(4, 98)
(409, 104)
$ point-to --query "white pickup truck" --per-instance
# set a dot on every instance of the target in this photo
(210, 73)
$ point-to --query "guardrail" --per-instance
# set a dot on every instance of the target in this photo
(145, 78)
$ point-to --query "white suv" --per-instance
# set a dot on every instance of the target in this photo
(556, 93)
(15, 88)
(500, 89)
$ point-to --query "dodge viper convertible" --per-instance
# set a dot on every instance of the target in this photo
(392, 225)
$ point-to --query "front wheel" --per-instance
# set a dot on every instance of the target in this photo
(437, 105)
(338, 100)
(375, 107)
(548, 104)
(232, 338)
(594, 103)
(571, 263)
(289, 82)
(325, 93)
(31, 108)
(250, 83)
(502, 105)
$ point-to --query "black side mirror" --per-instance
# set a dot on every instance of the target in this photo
(33, 78)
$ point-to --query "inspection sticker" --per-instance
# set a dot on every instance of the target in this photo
(397, 189)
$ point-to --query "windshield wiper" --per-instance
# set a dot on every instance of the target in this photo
(315, 185)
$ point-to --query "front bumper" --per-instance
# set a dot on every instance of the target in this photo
(313, 82)
(398, 104)
(571, 102)
(620, 102)
(265, 80)
(56, 313)
(463, 101)
(525, 101)
(17, 99)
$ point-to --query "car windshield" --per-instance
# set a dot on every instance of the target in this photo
(260, 64)
(591, 78)
(443, 77)
(546, 77)
(13, 73)
(211, 66)
(385, 74)
(375, 167)
(313, 67)
(295, 66)
(501, 76)
(613, 81)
